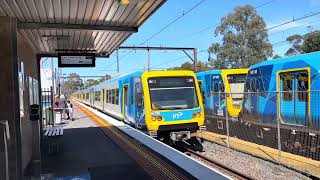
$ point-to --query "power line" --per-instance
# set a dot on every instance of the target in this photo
(168, 25)
(293, 20)
(264, 4)
(217, 24)
(179, 17)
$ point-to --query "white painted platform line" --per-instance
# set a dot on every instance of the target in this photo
(196, 168)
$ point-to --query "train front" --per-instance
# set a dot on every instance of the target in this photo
(173, 104)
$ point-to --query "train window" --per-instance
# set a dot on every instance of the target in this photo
(113, 97)
(87, 95)
(117, 96)
(109, 96)
(221, 85)
(125, 95)
(303, 86)
(253, 86)
(287, 87)
(216, 87)
(97, 96)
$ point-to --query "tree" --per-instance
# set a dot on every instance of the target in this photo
(296, 41)
(189, 66)
(311, 42)
(72, 83)
(301, 44)
(276, 56)
(106, 77)
(245, 40)
(91, 82)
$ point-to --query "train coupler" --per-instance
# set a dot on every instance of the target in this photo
(202, 128)
(153, 134)
(179, 136)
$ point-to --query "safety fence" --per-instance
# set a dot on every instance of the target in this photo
(283, 127)
(4, 139)
(47, 102)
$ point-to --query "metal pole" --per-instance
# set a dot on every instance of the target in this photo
(278, 129)
(52, 73)
(148, 59)
(6, 137)
(195, 60)
(227, 120)
(118, 60)
(52, 103)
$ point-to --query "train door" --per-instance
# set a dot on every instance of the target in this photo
(218, 96)
(254, 98)
(91, 97)
(102, 99)
(125, 101)
(139, 103)
(294, 98)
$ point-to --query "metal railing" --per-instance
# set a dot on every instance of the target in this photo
(4, 159)
(283, 127)
(47, 101)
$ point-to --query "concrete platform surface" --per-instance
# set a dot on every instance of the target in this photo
(85, 152)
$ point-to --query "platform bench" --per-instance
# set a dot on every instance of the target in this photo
(53, 131)
(53, 144)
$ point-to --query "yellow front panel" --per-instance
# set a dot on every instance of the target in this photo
(153, 125)
(233, 111)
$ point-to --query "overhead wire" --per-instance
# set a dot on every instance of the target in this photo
(167, 26)
(308, 15)
(202, 30)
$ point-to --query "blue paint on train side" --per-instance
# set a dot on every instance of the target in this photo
(291, 74)
(212, 88)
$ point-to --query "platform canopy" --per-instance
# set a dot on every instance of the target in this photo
(99, 26)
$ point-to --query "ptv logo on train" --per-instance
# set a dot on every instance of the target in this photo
(177, 115)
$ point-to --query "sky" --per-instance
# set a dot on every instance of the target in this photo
(196, 30)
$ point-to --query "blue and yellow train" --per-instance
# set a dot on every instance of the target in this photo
(285, 91)
(166, 104)
(216, 84)
(222, 94)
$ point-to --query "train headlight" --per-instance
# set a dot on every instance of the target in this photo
(159, 118)
(154, 118)
(196, 115)
(236, 106)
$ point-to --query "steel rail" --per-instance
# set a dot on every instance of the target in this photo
(225, 169)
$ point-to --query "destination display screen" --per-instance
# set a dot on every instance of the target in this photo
(76, 60)
(167, 82)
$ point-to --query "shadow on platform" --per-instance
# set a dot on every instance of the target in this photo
(87, 153)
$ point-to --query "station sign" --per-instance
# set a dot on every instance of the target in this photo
(76, 60)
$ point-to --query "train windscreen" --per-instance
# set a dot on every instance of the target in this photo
(172, 93)
(236, 83)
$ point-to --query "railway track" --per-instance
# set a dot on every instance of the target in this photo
(216, 165)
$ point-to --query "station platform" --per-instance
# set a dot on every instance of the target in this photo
(93, 148)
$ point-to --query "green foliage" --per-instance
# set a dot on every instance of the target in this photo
(189, 66)
(72, 83)
(311, 42)
(296, 41)
(307, 43)
(276, 56)
(245, 41)
(91, 82)
(106, 77)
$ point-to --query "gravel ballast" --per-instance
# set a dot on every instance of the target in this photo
(249, 165)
